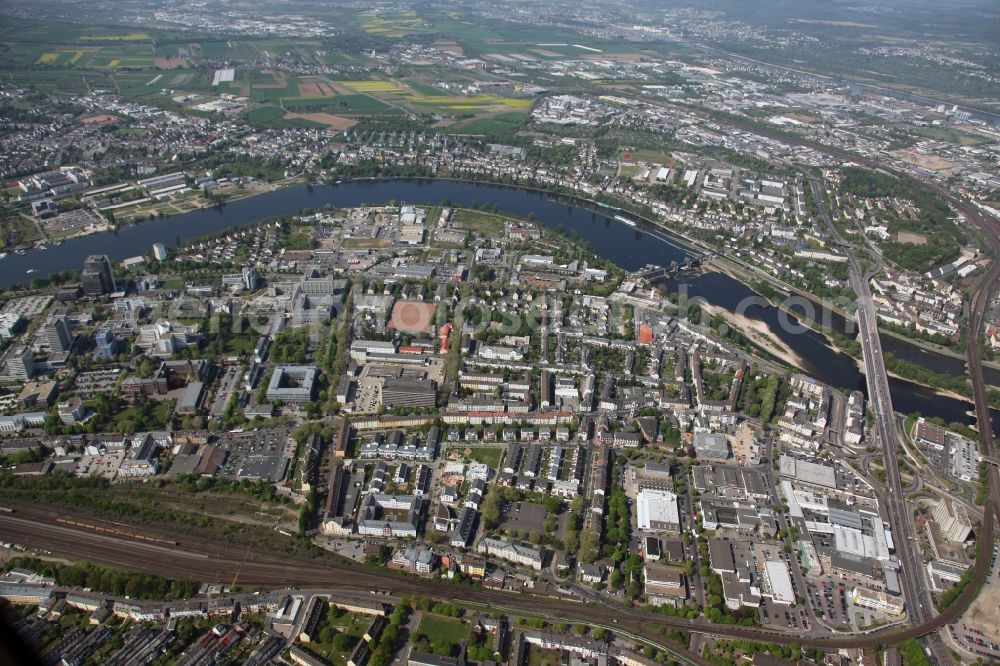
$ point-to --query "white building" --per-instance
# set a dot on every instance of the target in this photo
(657, 510)
(780, 582)
(512, 551)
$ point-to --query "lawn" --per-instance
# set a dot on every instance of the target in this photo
(489, 456)
(351, 624)
(539, 657)
(243, 344)
(646, 155)
(133, 415)
(487, 224)
(441, 628)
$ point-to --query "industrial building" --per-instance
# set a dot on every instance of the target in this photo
(657, 511)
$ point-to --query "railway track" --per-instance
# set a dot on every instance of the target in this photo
(208, 561)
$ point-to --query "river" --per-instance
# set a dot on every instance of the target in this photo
(626, 246)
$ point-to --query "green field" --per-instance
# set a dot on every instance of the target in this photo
(354, 104)
(303, 122)
(486, 224)
(441, 628)
(489, 456)
(501, 123)
(264, 114)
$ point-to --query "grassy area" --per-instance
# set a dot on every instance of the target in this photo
(327, 643)
(945, 134)
(243, 344)
(244, 516)
(539, 657)
(488, 224)
(489, 456)
(264, 114)
(645, 155)
(16, 229)
(500, 123)
(441, 628)
(131, 415)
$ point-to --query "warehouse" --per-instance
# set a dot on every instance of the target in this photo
(657, 511)
(780, 582)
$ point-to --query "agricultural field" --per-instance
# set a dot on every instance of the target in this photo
(338, 104)
(393, 24)
(154, 67)
(59, 46)
(543, 43)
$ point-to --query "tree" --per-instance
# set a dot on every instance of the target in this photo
(491, 508)
(588, 545)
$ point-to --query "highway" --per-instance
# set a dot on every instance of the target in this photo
(214, 561)
(915, 590)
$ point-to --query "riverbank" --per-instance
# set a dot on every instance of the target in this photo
(735, 268)
(612, 240)
(758, 334)
(738, 271)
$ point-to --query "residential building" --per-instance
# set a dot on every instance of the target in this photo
(953, 520)
(512, 551)
(876, 600)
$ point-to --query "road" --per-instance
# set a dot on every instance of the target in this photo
(915, 589)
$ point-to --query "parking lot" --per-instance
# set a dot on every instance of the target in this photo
(522, 516)
(368, 396)
(229, 381)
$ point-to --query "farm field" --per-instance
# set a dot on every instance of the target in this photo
(155, 66)
(338, 103)
(393, 23)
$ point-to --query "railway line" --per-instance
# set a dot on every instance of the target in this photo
(193, 558)
(118, 531)
(209, 561)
